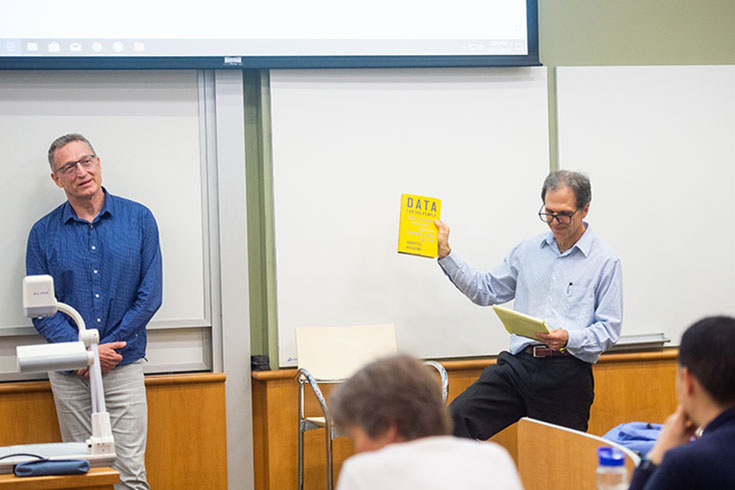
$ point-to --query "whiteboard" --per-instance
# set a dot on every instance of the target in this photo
(146, 128)
(348, 143)
(657, 142)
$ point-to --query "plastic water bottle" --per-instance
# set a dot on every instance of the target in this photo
(611, 473)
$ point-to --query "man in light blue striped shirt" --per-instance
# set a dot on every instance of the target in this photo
(567, 277)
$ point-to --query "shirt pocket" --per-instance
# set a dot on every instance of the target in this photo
(64, 277)
(577, 299)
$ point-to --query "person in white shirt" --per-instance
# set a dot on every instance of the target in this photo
(393, 411)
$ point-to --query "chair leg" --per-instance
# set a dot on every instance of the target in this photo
(330, 474)
(301, 458)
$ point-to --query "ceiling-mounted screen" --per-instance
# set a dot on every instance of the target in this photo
(267, 34)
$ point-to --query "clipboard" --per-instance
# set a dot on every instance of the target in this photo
(520, 323)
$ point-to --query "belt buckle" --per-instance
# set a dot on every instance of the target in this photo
(534, 350)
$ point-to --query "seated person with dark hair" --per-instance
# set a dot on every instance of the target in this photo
(394, 412)
(706, 391)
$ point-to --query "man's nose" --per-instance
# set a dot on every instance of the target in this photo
(80, 169)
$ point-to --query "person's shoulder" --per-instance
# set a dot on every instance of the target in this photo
(480, 459)
(526, 249)
(600, 248)
(126, 203)
(703, 460)
(427, 446)
(54, 216)
(365, 461)
(129, 207)
(533, 242)
(712, 446)
(486, 448)
(464, 449)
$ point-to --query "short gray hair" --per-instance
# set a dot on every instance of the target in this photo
(576, 181)
(398, 390)
(63, 141)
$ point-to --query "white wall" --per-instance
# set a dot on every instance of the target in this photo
(175, 142)
(148, 129)
(657, 142)
(348, 143)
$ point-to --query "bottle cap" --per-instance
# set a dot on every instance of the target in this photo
(610, 456)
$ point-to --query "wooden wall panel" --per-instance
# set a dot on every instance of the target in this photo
(628, 387)
(186, 448)
(187, 445)
(633, 387)
(28, 414)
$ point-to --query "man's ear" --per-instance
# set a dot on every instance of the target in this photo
(688, 382)
(585, 210)
(392, 435)
(56, 180)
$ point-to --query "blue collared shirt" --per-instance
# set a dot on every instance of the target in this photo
(580, 290)
(108, 270)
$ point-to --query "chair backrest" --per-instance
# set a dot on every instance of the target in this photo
(335, 353)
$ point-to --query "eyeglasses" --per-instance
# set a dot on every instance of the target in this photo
(563, 218)
(69, 168)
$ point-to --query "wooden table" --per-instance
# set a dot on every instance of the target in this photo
(97, 479)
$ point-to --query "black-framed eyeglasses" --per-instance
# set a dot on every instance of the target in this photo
(563, 218)
(87, 162)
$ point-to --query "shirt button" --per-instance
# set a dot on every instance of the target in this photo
(99, 320)
(97, 295)
(94, 248)
(95, 271)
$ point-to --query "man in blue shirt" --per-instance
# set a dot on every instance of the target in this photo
(568, 278)
(706, 393)
(104, 255)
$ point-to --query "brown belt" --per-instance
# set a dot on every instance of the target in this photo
(543, 351)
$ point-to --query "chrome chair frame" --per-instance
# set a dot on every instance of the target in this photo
(443, 376)
(309, 423)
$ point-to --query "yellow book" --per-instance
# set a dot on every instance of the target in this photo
(416, 230)
(520, 323)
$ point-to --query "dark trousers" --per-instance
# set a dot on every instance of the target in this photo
(558, 390)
